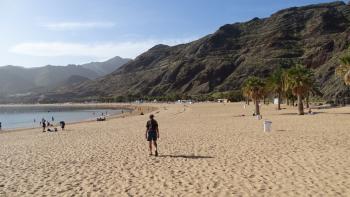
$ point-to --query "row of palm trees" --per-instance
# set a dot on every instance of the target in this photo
(297, 81)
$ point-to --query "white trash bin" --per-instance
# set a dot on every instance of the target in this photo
(267, 126)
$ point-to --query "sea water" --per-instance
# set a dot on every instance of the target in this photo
(15, 117)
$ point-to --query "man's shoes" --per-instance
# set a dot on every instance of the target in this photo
(156, 154)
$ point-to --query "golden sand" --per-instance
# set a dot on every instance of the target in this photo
(205, 150)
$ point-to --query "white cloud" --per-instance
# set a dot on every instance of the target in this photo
(62, 26)
(97, 51)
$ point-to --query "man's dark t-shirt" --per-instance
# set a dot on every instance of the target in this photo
(152, 125)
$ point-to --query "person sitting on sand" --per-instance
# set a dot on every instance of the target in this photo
(310, 111)
(63, 124)
(152, 134)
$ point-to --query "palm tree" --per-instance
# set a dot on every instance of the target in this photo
(344, 69)
(275, 84)
(314, 91)
(299, 80)
(245, 92)
(254, 87)
(290, 97)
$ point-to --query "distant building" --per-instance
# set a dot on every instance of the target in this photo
(223, 100)
(185, 101)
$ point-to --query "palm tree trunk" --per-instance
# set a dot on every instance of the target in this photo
(279, 101)
(257, 109)
(264, 100)
(307, 100)
(300, 105)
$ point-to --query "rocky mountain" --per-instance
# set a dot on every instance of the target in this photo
(17, 81)
(314, 35)
(104, 68)
(74, 80)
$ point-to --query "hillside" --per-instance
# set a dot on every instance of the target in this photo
(16, 81)
(314, 35)
(104, 68)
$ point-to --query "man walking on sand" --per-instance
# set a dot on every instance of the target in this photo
(152, 133)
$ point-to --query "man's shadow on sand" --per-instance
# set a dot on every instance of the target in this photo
(187, 156)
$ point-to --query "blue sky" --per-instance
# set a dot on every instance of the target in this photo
(60, 32)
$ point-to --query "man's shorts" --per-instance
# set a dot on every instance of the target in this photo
(152, 136)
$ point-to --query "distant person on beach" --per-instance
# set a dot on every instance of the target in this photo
(63, 124)
(0, 126)
(152, 134)
(44, 126)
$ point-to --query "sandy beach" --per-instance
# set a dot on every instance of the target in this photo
(205, 150)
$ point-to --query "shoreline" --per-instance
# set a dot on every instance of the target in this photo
(135, 109)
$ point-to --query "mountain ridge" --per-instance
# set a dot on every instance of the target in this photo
(17, 80)
(314, 35)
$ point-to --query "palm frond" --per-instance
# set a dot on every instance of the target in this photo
(299, 79)
(343, 69)
(254, 88)
(347, 78)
